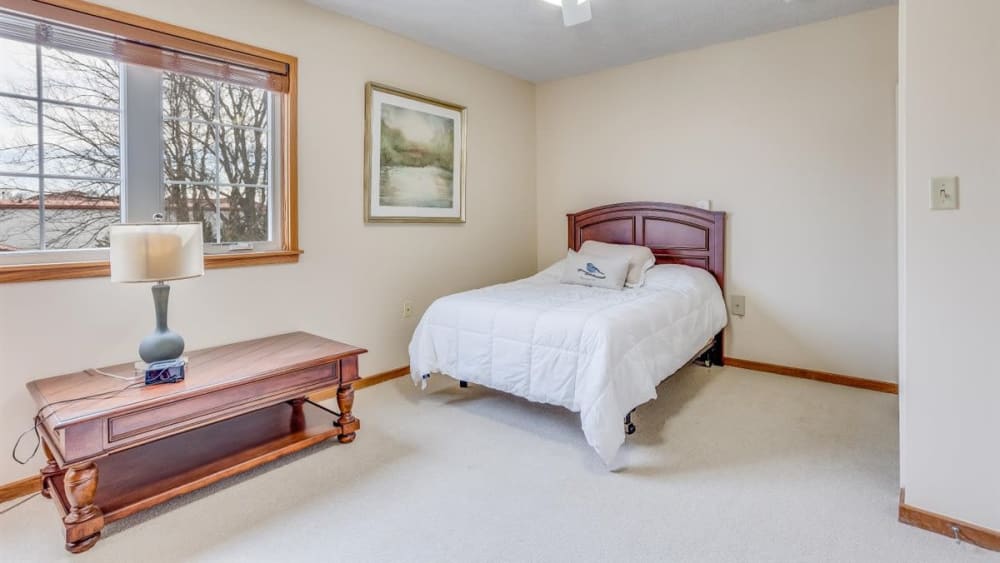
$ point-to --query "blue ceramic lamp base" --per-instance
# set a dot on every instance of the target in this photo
(163, 344)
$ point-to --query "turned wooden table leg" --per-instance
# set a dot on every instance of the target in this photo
(85, 520)
(49, 471)
(348, 424)
(298, 415)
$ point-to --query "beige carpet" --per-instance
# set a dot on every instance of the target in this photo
(728, 465)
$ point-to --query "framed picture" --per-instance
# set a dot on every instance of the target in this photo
(414, 158)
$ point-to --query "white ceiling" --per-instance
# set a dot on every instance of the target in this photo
(526, 38)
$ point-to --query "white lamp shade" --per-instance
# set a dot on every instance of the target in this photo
(154, 252)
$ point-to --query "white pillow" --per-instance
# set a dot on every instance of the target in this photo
(640, 258)
(596, 271)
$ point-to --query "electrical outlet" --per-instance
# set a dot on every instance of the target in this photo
(407, 309)
(738, 305)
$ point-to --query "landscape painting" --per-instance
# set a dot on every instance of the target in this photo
(415, 158)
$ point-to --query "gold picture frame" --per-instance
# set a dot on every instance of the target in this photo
(415, 165)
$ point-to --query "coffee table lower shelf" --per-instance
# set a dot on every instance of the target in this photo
(148, 475)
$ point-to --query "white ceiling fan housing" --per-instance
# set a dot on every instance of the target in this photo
(573, 11)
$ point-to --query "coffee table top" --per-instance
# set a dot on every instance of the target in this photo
(208, 370)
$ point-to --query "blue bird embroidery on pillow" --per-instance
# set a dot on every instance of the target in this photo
(592, 271)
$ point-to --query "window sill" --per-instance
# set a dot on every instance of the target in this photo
(72, 270)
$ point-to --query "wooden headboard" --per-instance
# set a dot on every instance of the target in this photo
(677, 234)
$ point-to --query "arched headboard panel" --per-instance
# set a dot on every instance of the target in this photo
(677, 234)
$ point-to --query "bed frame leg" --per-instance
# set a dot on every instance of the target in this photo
(629, 427)
(704, 360)
(713, 356)
(716, 354)
(463, 384)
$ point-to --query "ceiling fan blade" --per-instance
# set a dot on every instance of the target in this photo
(575, 12)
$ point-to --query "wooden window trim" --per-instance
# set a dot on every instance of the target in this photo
(290, 251)
(72, 270)
(146, 32)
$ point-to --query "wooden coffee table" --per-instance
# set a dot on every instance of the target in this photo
(134, 446)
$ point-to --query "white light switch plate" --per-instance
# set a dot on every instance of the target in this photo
(944, 192)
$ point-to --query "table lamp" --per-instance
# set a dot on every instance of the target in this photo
(157, 252)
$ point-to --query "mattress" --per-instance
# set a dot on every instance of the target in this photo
(598, 352)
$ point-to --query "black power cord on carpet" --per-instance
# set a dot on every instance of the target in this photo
(17, 504)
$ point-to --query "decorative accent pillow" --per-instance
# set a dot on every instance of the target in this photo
(640, 258)
(596, 271)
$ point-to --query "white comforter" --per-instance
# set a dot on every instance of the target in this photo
(599, 352)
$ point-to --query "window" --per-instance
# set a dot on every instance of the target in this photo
(60, 182)
(216, 157)
(96, 129)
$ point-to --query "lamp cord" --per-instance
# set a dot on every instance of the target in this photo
(121, 377)
(17, 504)
(41, 414)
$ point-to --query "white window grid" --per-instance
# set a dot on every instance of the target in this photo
(43, 255)
(40, 176)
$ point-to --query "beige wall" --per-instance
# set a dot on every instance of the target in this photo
(353, 278)
(950, 126)
(792, 134)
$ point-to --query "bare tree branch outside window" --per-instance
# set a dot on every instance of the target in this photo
(72, 183)
(67, 193)
(216, 156)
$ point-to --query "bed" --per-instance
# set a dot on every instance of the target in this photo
(599, 352)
